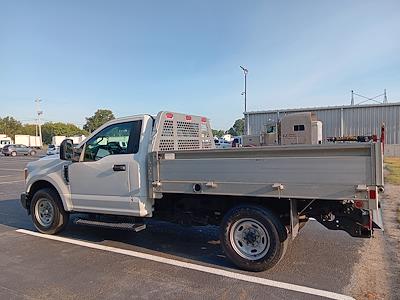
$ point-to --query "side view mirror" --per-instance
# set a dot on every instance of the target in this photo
(67, 150)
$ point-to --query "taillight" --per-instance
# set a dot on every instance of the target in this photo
(358, 204)
(372, 194)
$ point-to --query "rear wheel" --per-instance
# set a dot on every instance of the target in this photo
(47, 211)
(13, 153)
(253, 238)
(32, 153)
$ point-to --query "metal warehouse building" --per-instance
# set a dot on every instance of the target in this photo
(339, 120)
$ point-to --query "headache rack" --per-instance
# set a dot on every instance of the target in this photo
(175, 131)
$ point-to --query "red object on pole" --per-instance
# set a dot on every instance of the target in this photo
(383, 136)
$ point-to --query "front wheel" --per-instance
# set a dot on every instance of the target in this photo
(253, 238)
(13, 153)
(32, 153)
(47, 211)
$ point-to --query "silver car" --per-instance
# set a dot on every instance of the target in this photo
(14, 150)
(52, 149)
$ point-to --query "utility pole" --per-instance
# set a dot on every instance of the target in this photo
(245, 71)
(38, 124)
(352, 97)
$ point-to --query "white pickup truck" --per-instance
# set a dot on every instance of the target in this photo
(166, 167)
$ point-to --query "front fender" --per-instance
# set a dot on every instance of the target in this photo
(58, 183)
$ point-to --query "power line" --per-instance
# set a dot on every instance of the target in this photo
(385, 100)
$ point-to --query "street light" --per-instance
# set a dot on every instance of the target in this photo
(245, 71)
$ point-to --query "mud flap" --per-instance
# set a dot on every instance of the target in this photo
(377, 222)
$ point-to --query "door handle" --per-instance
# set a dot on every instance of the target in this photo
(119, 168)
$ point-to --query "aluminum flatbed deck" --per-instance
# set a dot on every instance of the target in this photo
(331, 172)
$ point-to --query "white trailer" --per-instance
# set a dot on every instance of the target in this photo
(76, 139)
(168, 169)
(35, 142)
(28, 140)
(22, 139)
(57, 140)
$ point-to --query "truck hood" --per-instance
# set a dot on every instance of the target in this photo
(45, 165)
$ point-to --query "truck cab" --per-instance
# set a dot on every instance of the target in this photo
(4, 140)
(106, 173)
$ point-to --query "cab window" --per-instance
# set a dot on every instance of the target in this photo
(298, 128)
(271, 129)
(116, 139)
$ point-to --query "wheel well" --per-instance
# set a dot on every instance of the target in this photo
(210, 209)
(38, 185)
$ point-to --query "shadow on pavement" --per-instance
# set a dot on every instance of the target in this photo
(195, 243)
(13, 215)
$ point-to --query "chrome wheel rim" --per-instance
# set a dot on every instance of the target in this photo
(44, 212)
(249, 238)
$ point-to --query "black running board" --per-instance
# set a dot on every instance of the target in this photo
(124, 226)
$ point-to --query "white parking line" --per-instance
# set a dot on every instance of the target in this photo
(19, 170)
(15, 160)
(191, 266)
(8, 182)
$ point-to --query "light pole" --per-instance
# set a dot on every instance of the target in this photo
(38, 121)
(245, 71)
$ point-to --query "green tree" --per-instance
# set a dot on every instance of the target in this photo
(237, 128)
(10, 126)
(100, 117)
(51, 129)
(218, 133)
(29, 129)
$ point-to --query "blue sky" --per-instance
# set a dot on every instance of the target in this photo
(144, 56)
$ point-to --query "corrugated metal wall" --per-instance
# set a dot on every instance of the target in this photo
(342, 120)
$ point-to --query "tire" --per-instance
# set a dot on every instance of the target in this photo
(32, 153)
(47, 211)
(14, 153)
(253, 238)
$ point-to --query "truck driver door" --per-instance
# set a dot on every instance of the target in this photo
(106, 179)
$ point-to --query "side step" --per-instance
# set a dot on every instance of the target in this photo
(123, 226)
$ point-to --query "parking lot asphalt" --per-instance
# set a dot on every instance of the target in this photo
(36, 268)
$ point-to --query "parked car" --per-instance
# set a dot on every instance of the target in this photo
(222, 144)
(18, 149)
(53, 149)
